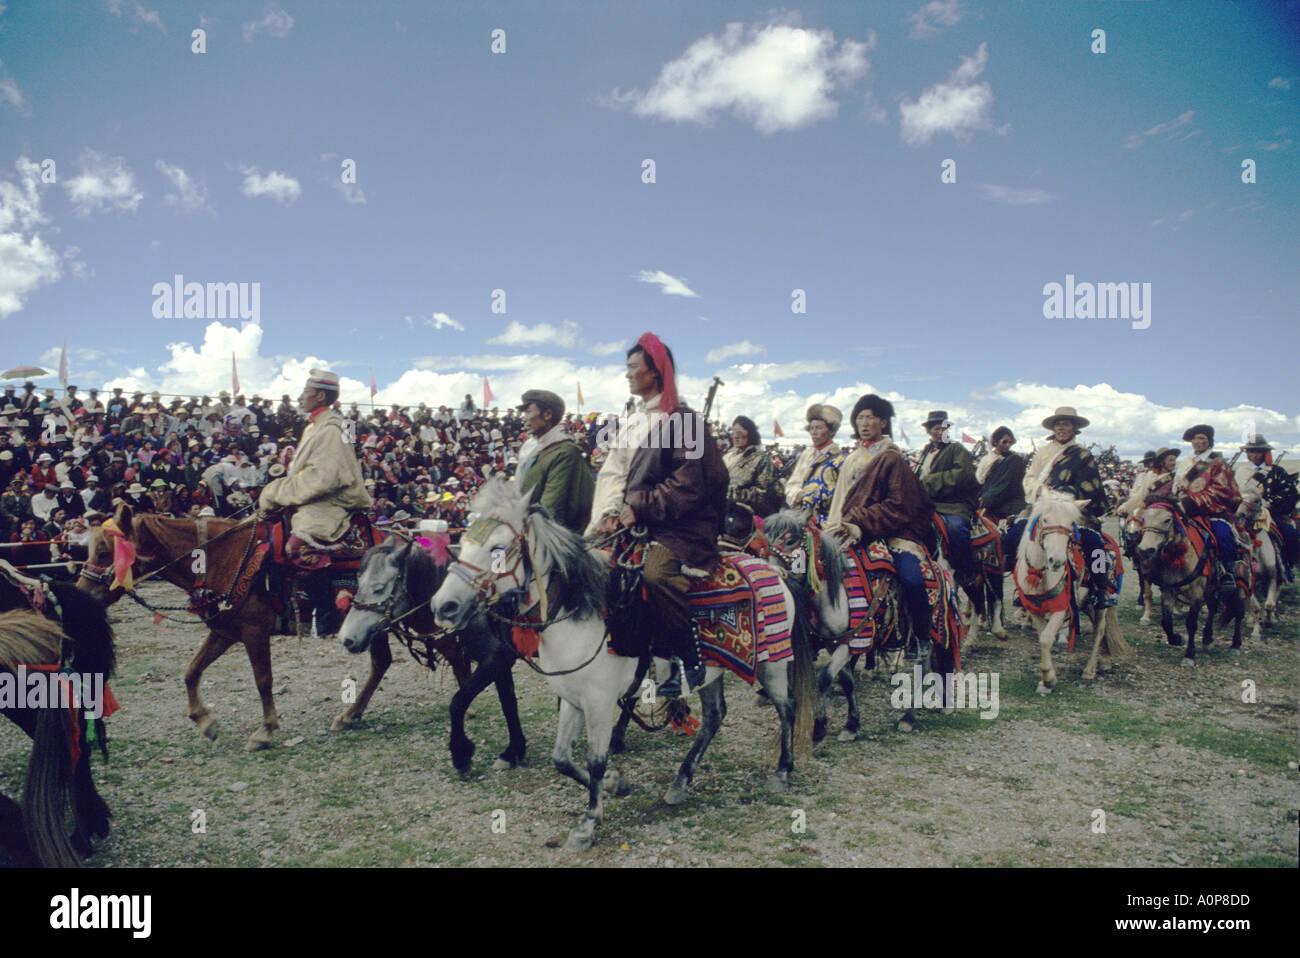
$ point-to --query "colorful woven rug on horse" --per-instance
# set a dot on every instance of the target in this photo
(868, 581)
(742, 616)
(947, 628)
(985, 537)
(1059, 597)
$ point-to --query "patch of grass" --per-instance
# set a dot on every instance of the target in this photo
(1262, 861)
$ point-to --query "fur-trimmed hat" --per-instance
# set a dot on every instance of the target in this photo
(827, 414)
(1257, 444)
(1203, 429)
(878, 405)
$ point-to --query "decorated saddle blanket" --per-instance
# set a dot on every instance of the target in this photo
(346, 552)
(868, 582)
(742, 616)
(985, 534)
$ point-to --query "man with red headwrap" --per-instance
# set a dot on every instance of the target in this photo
(665, 472)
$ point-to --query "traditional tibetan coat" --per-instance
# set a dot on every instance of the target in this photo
(324, 484)
(887, 501)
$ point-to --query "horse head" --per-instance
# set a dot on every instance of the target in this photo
(1048, 537)
(110, 557)
(1159, 528)
(395, 577)
(514, 546)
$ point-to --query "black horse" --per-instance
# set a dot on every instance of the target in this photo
(395, 582)
(84, 622)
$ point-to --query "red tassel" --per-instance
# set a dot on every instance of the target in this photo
(525, 640)
(157, 617)
(343, 600)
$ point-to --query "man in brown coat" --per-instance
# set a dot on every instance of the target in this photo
(888, 502)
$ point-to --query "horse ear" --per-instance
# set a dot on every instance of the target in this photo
(122, 519)
(1081, 503)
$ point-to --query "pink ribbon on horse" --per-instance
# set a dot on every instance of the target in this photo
(123, 556)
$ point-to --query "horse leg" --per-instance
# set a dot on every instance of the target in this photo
(1099, 619)
(213, 647)
(381, 657)
(627, 705)
(850, 731)
(713, 709)
(1144, 595)
(994, 586)
(1167, 618)
(834, 668)
(462, 749)
(1212, 604)
(1046, 638)
(505, 685)
(1193, 615)
(599, 727)
(258, 647)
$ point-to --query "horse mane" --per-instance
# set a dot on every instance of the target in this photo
(28, 639)
(1054, 507)
(552, 546)
(792, 522)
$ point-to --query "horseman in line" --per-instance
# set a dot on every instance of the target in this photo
(323, 488)
(1277, 489)
(1205, 486)
(1062, 464)
(551, 466)
(948, 475)
(1001, 475)
(811, 485)
(679, 494)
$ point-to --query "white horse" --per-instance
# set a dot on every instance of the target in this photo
(1043, 574)
(566, 590)
(1259, 521)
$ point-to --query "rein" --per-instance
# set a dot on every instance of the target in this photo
(1198, 569)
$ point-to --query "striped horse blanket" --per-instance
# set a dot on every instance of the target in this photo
(741, 613)
(870, 567)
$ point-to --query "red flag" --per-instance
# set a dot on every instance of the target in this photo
(488, 398)
(373, 390)
(579, 395)
(63, 364)
(234, 375)
(966, 438)
(776, 429)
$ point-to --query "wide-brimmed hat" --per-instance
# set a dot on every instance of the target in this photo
(45, 457)
(936, 417)
(826, 413)
(1149, 455)
(158, 483)
(1202, 428)
(1166, 451)
(136, 489)
(1065, 412)
(1257, 444)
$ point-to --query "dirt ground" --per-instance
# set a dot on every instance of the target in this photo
(1154, 764)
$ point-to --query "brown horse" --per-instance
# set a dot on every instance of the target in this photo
(231, 615)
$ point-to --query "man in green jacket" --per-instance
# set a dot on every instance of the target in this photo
(948, 474)
(551, 466)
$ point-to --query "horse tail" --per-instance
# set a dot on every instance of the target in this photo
(803, 685)
(45, 792)
(1114, 641)
(85, 621)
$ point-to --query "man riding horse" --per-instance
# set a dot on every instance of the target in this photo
(1142, 486)
(1277, 489)
(323, 488)
(1062, 464)
(665, 472)
(889, 503)
(1001, 475)
(947, 472)
(812, 483)
(551, 466)
(1206, 488)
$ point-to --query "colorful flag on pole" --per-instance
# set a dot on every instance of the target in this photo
(966, 438)
(488, 398)
(63, 363)
(373, 390)
(579, 395)
(234, 375)
(776, 429)
(903, 433)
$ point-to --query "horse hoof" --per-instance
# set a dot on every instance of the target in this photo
(1176, 642)
(847, 736)
(905, 725)
(1145, 620)
(1001, 634)
(819, 730)
(502, 765)
(616, 784)
(342, 722)
(675, 795)
(1105, 667)
(1045, 689)
(258, 740)
(1234, 651)
(1190, 663)
(1089, 674)
(617, 746)
(579, 840)
(777, 783)
(208, 726)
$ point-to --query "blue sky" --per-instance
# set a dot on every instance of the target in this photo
(797, 149)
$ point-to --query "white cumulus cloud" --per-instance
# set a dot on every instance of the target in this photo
(190, 197)
(439, 320)
(281, 187)
(671, 285)
(779, 76)
(105, 183)
(743, 348)
(517, 334)
(930, 20)
(1016, 197)
(958, 106)
(26, 260)
(137, 12)
(275, 23)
